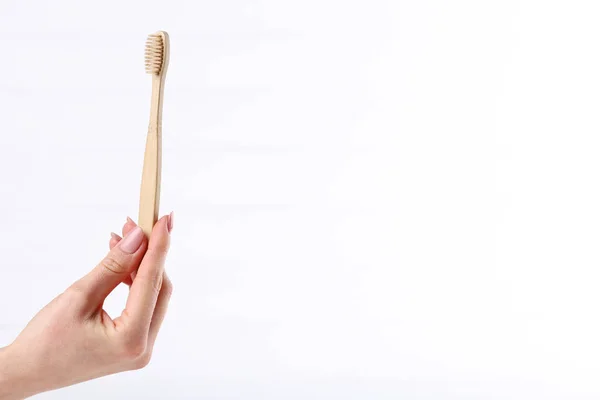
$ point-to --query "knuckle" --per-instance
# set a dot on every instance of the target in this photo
(154, 280)
(142, 361)
(74, 294)
(167, 286)
(160, 249)
(133, 348)
(157, 282)
(72, 298)
(113, 265)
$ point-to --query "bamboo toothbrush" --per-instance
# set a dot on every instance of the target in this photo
(157, 61)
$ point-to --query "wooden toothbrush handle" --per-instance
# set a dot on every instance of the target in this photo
(150, 190)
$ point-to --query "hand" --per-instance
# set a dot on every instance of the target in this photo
(73, 339)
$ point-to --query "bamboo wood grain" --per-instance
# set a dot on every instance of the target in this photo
(151, 174)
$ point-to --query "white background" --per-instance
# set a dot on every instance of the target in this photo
(374, 200)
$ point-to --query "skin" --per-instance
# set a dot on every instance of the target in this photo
(73, 339)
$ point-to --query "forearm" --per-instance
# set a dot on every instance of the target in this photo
(14, 382)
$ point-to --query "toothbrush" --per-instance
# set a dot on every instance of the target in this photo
(157, 61)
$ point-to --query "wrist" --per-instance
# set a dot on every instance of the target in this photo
(14, 383)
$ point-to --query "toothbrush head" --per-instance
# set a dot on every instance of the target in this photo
(157, 53)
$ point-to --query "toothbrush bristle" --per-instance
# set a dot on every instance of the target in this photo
(154, 53)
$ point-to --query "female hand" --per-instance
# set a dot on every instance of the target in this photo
(73, 339)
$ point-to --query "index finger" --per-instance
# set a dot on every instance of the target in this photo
(148, 281)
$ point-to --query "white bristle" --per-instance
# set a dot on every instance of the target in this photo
(154, 53)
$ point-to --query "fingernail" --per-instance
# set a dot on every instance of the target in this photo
(132, 241)
(130, 220)
(115, 236)
(170, 222)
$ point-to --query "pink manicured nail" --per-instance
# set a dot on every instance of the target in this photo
(132, 241)
(130, 220)
(115, 236)
(170, 222)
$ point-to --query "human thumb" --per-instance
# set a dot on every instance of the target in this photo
(118, 264)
